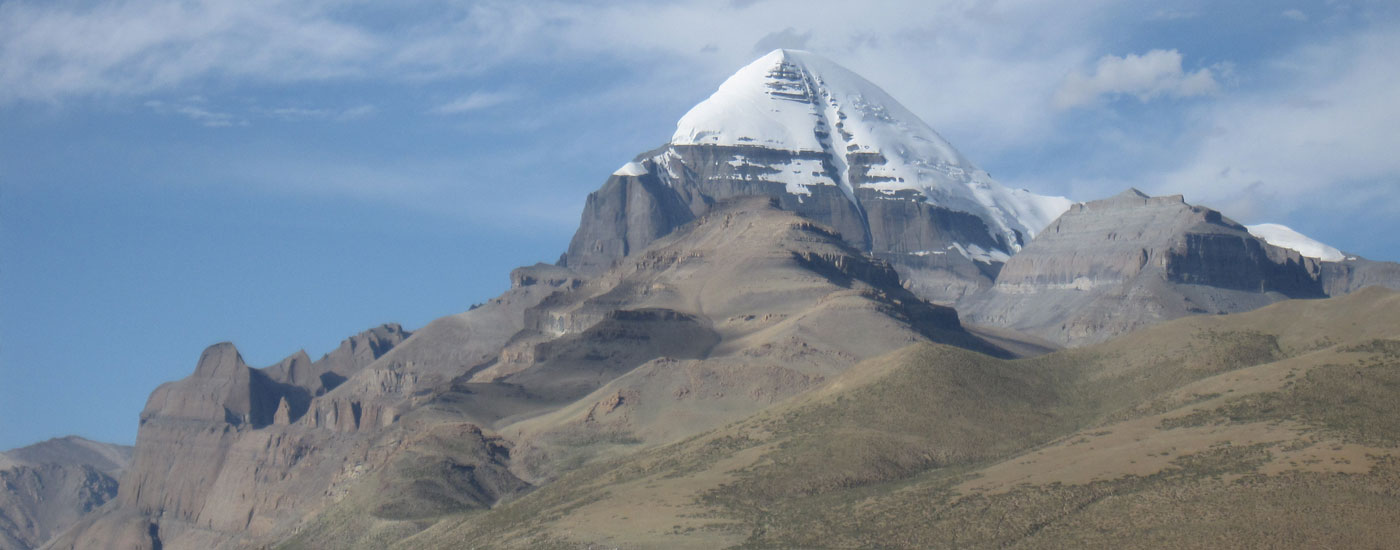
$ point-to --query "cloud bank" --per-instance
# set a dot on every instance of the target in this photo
(1154, 74)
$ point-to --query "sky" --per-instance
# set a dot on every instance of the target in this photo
(284, 174)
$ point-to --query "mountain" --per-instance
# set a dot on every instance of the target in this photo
(48, 486)
(739, 309)
(834, 148)
(1108, 267)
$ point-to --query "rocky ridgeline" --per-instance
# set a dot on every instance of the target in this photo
(48, 486)
(1111, 266)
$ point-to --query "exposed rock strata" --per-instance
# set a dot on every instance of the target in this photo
(1108, 267)
(684, 182)
(1354, 273)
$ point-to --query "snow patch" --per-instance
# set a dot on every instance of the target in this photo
(1284, 237)
(979, 254)
(633, 168)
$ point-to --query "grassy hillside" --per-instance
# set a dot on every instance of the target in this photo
(1276, 428)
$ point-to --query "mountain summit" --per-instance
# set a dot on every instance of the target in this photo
(801, 102)
(832, 147)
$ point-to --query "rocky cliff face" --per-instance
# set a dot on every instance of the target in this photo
(46, 487)
(1354, 273)
(215, 453)
(1108, 267)
(232, 453)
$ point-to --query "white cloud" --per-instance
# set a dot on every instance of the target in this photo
(1296, 15)
(49, 51)
(1154, 74)
(474, 101)
(988, 75)
(1324, 142)
(951, 60)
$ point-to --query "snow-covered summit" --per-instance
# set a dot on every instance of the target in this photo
(1284, 237)
(801, 102)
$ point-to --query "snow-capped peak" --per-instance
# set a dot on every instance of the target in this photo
(801, 102)
(1284, 237)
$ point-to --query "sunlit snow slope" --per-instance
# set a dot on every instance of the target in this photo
(1285, 237)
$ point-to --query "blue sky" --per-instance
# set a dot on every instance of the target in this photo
(284, 174)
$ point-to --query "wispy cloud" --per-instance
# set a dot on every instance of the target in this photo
(1296, 15)
(49, 51)
(1324, 141)
(1154, 74)
(474, 101)
(199, 109)
(999, 79)
(319, 113)
(786, 38)
(674, 52)
(195, 108)
(1174, 15)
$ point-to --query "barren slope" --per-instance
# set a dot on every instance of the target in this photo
(48, 486)
(1276, 428)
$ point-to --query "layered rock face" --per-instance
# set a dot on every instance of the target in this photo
(1108, 267)
(48, 486)
(1355, 273)
(831, 147)
(215, 453)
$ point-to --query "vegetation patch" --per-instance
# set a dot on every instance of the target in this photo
(1356, 402)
